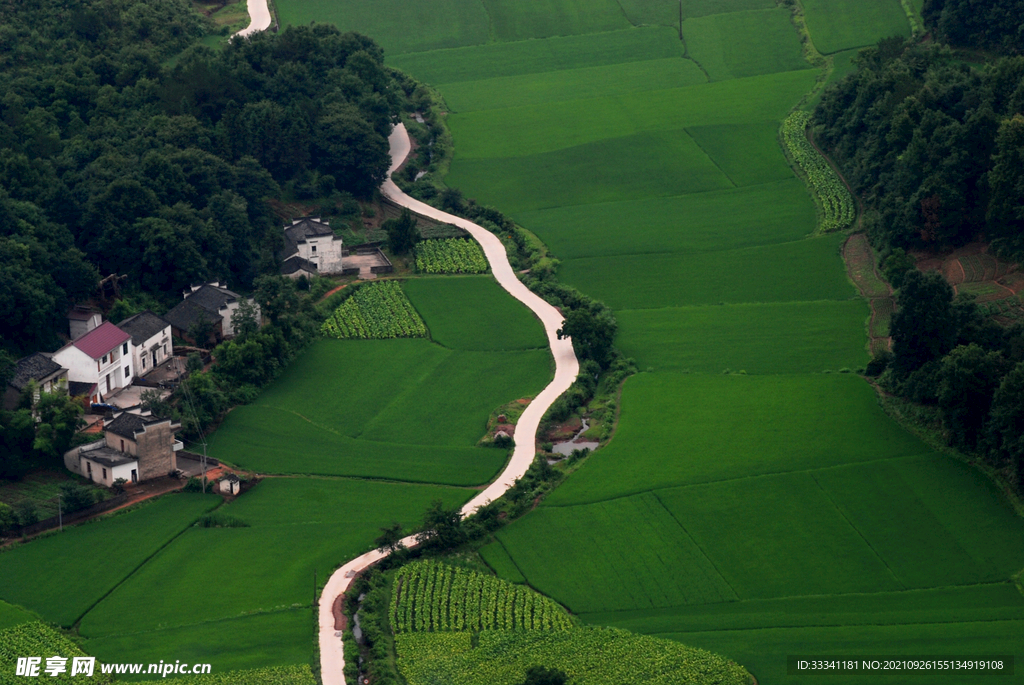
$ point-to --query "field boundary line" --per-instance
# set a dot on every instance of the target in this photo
(697, 545)
(142, 563)
(710, 158)
(222, 619)
(857, 531)
(832, 625)
(332, 655)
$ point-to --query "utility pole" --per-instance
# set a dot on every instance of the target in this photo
(314, 588)
(60, 514)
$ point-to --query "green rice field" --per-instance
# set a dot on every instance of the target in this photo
(755, 500)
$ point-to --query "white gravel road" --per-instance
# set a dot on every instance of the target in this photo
(259, 17)
(332, 657)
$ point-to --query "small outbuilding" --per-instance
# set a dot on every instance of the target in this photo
(230, 484)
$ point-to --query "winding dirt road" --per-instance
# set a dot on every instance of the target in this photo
(332, 657)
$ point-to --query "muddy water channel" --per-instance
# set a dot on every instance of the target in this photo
(574, 443)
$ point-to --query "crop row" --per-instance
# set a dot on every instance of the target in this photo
(377, 310)
(588, 656)
(834, 197)
(39, 640)
(453, 256)
(430, 597)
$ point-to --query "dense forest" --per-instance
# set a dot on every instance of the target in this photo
(124, 150)
(997, 26)
(934, 145)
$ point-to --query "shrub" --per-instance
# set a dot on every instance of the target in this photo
(75, 497)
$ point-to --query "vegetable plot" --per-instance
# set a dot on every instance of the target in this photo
(39, 640)
(376, 311)
(452, 256)
(431, 597)
(833, 196)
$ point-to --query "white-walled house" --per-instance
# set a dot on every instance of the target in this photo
(151, 340)
(310, 246)
(102, 357)
(211, 302)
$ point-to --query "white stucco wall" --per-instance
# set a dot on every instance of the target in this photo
(84, 369)
(142, 351)
(113, 473)
(327, 256)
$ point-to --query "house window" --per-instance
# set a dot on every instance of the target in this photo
(314, 249)
(143, 362)
(124, 349)
(127, 372)
(88, 469)
(104, 474)
(97, 365)
(104, 359)
(122, 445)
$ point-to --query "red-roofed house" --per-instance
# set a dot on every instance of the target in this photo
(101, 356)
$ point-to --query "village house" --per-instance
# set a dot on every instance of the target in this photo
(310, 248)
(208, 304)
(151, 340)
(100, 360)
(38, 368)
(135, 448)
(82, 319)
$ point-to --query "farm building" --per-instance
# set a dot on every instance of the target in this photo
(36, 368)
(100, 358)
(151, 340)
(211, 303)
(230, 484)
(135, 447)
(310, 247)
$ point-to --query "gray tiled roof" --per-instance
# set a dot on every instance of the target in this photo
(143, 326)
(299, 232)
(34, 367)
(127, 425)
(187, 313)
(297, 263)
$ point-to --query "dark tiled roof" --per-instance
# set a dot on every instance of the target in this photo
(101, 340)
(231, 478)
(108, 457)
(187, 313)
(143, 326)
(297, 263)
(127, 425)
(299, 232)
(77, 389)
(211, 297)
(34, 367)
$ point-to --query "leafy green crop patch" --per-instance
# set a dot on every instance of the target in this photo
(788, 337)
(55, 575)
(585, 556)
(377, 311)
(39, 640)
(296, 526)
(589, 656)
(431, 597)
(837, 205)
(451, 256)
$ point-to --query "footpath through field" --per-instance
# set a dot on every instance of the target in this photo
(332, 657)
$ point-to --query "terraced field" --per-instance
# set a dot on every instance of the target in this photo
(669, 198)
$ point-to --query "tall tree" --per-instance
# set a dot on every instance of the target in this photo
(923, 328)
